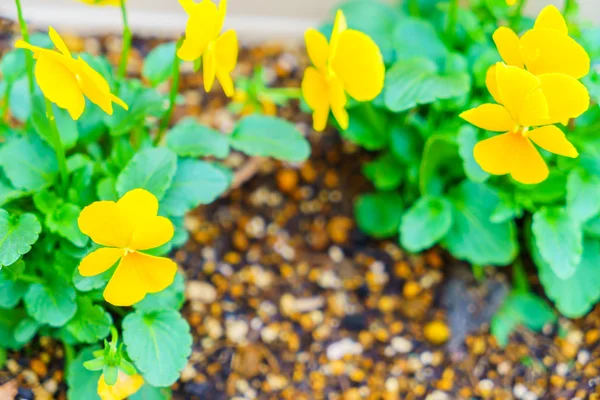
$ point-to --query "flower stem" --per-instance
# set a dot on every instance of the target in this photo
(58, 147)
(28, 56)
(30, 278)
(175, 76)
(288, 93)
(69, 354)
(520, 281)
(516, 18)
(127, 36)
(452, 17)
(478, 272)
(413, 8)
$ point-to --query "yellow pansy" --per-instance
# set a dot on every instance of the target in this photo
(126, 228)
(125, 386)
(103, 2)
(511, 2)
(545, 49)
(202, 39)
(351, 63)
(262, 105)
(526, 116)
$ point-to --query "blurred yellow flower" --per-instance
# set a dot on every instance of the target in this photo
(219, 53)
(247, 106)
(66, 81)
(545, 49)
(125, 386)
(350, 63)
(103, 2)
(511, 2)
(527, 116)
(126, 227)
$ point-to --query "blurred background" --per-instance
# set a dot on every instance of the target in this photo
(255, 20)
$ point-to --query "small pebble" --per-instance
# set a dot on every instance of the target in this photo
(201, 291)
(401, 345)
(337, 350)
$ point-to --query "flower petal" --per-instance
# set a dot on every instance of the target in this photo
(567, 97)
(317, 48)
(209, 69)
(359, 64)
(551, 18)
(528, 166)
(491, 117)
(125, 386)
(138, 206)
(534, 110)
(152, 233)
(226, 55)
(514, 85)
(100, 261)
(59, 85)
(137, 275)
(221, 12)
(315, 91)
(507, 43)
(58, 42)
(94, 87)
(338, 100)
(339, 26)
(200, 30)
(492, 84)
(190, 50)
(547, 51)
(105, 224)
(552, 139)
(494, 155)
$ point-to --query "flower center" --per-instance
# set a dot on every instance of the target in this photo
(521, 130)
(127, 251)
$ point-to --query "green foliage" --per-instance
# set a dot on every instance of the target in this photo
(17, 234)
(379, 214)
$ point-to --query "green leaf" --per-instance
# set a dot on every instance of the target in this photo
(379, 214)
(12, 65)
(158, 65)
(367, 127)
(149, 392)
(440, 164)
(559, 240)
(150, 169)
(189, 138)
(170, 298)
(425, 223)
(46, 201)
(404, 144)
(89, 283)
(575, 296)
(506, 209)
(181, 233)
(52, 303)
(20, 101)
(592, 227)
(26, 330)
(67, 126)
(63, 221)
(90, 323)
(258, 135)
(385, 172)
(29, 164)
(11, 291)
(473, 237)
(82, 383)
(17, 234)
(195, 182)
(159, 343)
(583, 192)
(9, 319)
(415, 81)
(467, 139)
(7, 192)
(106, 189)
(417, 38)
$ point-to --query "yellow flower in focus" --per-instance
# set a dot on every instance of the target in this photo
(545, 49)
(125, 386)
(526, 116)
(103, 2)
(127, 227)
(219, 53)
(350, 63)
(67, 81)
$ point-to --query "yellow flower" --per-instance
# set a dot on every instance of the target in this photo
(351, 63)
(511, 2)
(526, 115)
(103, 2)
(66, 81)
(219, 53)
(545, 49)
(125, 386)
(126, 227)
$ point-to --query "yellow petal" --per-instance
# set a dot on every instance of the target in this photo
(317, 48)
(534, 111)
(567, 97)
(528, 166)
(105, 224)
(226, 55)
(492, 84)
(209, 69)
(94, 87)
(138, 206)
(359, 64)
(137, 275)
(339, 26)
(99, 261)
(118, 101)
(190, 50)
(221, 12)
(125, 386)
(315, 91)
(338, 100)
(200, 31)
(152, 233)
(549, 51)
(552, 139)
(494, 155)
(58, 42)
(491, 117)
(551, 18)
(59, 85)
(514, 85)
(507, 43)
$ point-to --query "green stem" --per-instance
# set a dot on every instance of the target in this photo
(117, 310)
(69, 354)
(478, 272)
(175, 76)
(58, 147)
(452, 17)
(127, 36)
(289, 93)
(28, 56)
(30, 279)
(516, 18)
(413, 8)
(520, 281)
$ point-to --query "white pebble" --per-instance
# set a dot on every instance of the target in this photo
(519, 390)
(338, 350)
(200, 291)
(562, 369)
(401, 345)
(437, 395)
(236, 331)
(583, 357)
